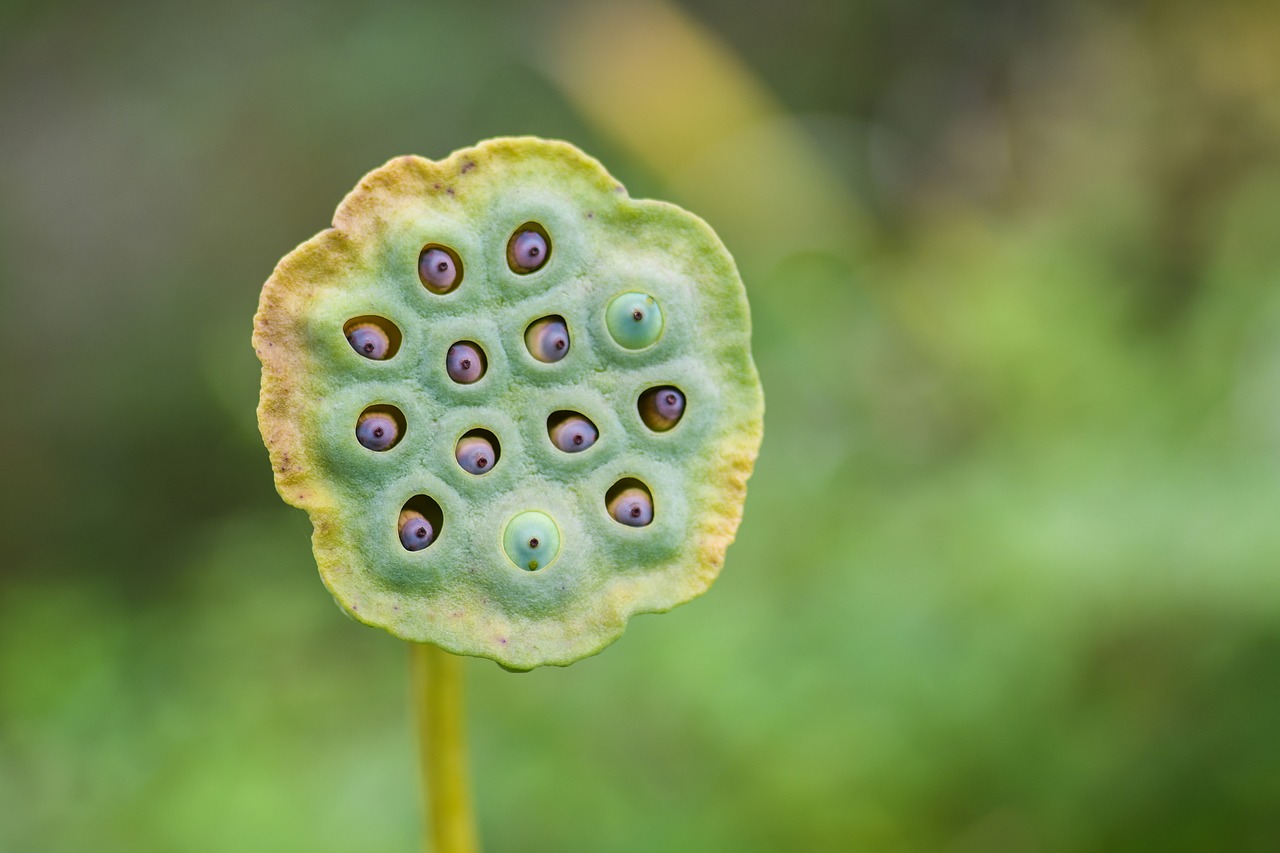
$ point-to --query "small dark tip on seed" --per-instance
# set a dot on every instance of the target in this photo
(533, 543)
(637, 315)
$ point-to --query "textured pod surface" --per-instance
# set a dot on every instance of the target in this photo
(462, 591)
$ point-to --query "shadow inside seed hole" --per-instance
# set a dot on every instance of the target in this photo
(478, 451)
(380, 428)
(420, 522)
(571, 432)
(376, 338)
(630, 502)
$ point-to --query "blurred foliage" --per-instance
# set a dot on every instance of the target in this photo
(1008, 575)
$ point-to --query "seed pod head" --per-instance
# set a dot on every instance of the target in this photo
(509, 248)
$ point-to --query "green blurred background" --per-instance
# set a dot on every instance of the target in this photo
(1007, 579)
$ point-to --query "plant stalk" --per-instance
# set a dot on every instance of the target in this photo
(449, 821)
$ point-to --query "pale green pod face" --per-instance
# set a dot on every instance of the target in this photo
(461, 387)
(532, 540)
(634, 320)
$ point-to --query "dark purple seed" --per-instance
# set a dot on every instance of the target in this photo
(369, 340)
(438, 270)
(632, 507)
(661, 408)
(574, 434)
(377, 431)
(465, 363)
(416, 532)
(527, 251)
(547, 339)
(475, 454)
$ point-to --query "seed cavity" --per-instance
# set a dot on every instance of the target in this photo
(531, 540)
(547, 339)
(629, 502)
(375, 338)
(465, 362)
(662, 407)
(571, 432)
(439, 268)
(380, 427)
(477, 451)
(634, 320)
(420, 522)
(528, 249)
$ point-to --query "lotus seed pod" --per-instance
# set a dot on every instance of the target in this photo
(474, 589)
(634, 320)
(547, 339)
(528, 250)
(661, 408)
(532, 540)
(416, 532)
(465, 363)
(475, 454)
(573, 433)
(632, 506)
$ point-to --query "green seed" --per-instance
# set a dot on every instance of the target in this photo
(634, 319)
(531, 540)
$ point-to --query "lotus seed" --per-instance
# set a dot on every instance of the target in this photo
(369, 340)
(528, 250)
(475, 454)
(632, 507)
(547, 339)
(416, 532)
(439, 269)
(573, 434)
(377, 430)
(661, 408)
(465, 363)
(531, 540)
(634, 320)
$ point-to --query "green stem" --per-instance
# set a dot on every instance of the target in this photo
(437, 702)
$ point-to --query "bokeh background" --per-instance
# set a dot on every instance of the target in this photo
(1008, 578)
